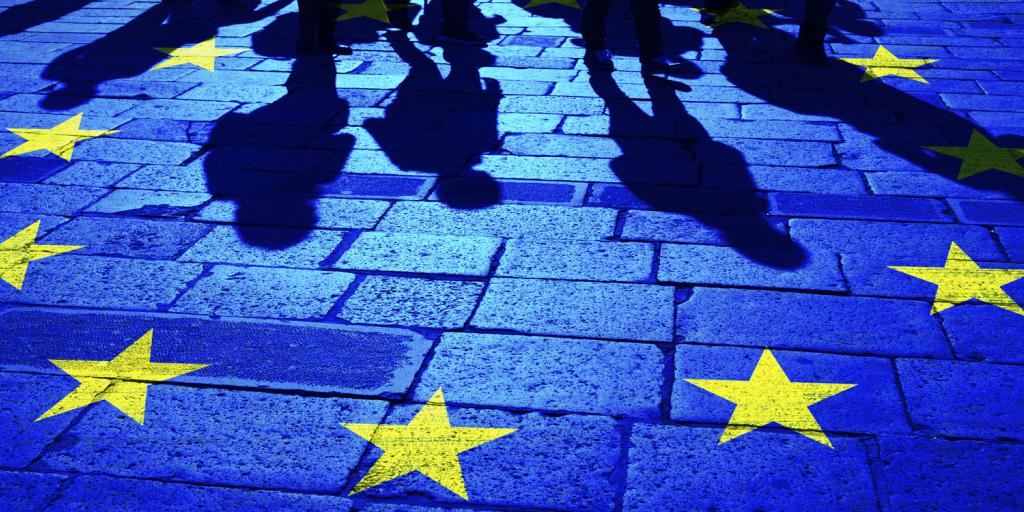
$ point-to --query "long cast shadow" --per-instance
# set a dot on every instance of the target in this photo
(271, 163)
(21, 17)
(443, 124)
(899, 123)
(737, 215)
(129, 50)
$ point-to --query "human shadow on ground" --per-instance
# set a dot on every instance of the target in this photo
(658, 167)
(443, 124)
(19, 18)
(269, 164)
(129, 51)
(886, 123)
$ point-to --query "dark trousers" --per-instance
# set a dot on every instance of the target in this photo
(317, 21)
(646, 16)
(816, 12)
(455, 14)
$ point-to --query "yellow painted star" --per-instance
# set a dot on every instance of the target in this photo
(981, 154)
(17, 251)
(884, 63)
(121, 382)
(59, 140)
(202, 54)
(568, 3)
(428, 444)
(373, 9)
(770, 397)
(961, 279)
(736, 13)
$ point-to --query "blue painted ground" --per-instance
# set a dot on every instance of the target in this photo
(559, 251)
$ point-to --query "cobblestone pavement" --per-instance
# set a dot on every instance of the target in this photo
(590, 266)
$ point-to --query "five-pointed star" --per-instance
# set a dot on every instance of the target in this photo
(59, 140)
(373, 9)
(884, 63)
(770, 397)
(736, 13)
(961, 279)
(568, 3)
(202, 54)
(428, 444)
(981, 154)
(122, 381)
(17, 251)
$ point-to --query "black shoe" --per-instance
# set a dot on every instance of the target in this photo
(656, 65)
(333, 48)
(810, 44)
(599, 60)
(462, 36)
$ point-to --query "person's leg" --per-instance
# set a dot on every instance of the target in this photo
(647, 18)
(326, 22)
(454, 15)
(810, 44)
(309, 12)
(594, 24)
(817, 12)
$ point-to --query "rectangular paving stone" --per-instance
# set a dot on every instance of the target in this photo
(1001, 213)
(263, 354)
(427, 254)
(553, 374)
(330, 212)
(859, 207)
(710, 264)
(1012, 240)
(577, 260)
(825, 323)
(789, 471)
(258, 292)
(99, 281)
(554, 168)
(574, 308)
(962, 399)
(92, 174)
(109, 149)
(137, 238)
(584, 450)
(241, 438)
(40, 198)
(507, 221)
(893, 239)
(983, 332)
(787, 179)
(87, 492)
(271, 247)
(150, 203)
(922, 474)
(384, 300)
(927, 184)
(181, 109)
(28, 491)
(733, 231)
(25, 398)
(873, 406)
(555, 145)
(766, 152)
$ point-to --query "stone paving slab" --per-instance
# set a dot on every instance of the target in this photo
(556, 248)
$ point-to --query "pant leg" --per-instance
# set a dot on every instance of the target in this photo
(455, 14)
(816, 12)
(309, 14)
(594, 23)
(647, 17)
(329, 11)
